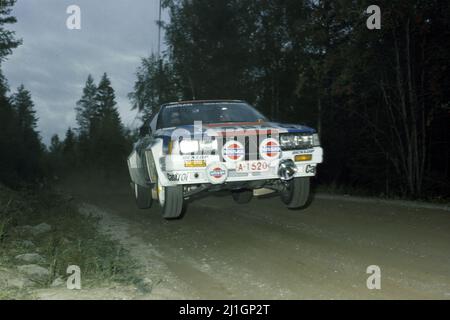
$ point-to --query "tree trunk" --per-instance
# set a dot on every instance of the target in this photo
(403, 114)
(319, 115)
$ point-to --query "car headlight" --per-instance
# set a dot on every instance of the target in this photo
(194, 146)
(287, 141)
(316, 140)
(189, 146)
(208, 145)
(292, 141)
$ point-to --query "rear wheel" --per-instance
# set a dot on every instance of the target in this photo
(242, 196)
(172, 201)
(143, 197)
(296, 193)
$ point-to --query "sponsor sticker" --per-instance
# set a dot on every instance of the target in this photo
(196, 157)
(303, 151)
(270, 149)
(310, 169)
(217, 173)
(233, 151)
(177, 177)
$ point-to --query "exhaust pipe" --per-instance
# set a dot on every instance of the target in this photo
(286, 170)
(262, 192)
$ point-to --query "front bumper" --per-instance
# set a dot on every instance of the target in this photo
(175, 172)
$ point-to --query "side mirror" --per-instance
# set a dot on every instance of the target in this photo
(144, 130)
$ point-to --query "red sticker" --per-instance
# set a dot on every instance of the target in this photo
(217, 173)
(233, 151)
(270, 149)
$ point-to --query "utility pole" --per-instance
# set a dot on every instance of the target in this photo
(159, 55)
(159, 31)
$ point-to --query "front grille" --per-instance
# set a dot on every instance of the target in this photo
(251, 145)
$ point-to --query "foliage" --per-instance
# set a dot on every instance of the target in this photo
(377, 97)
(100, 142)
(73, 240)
(19, 141)
(8, 42)
(155, 85)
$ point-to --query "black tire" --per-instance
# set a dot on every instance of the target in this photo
(143, 196)
(296, 194)
(242, 196)
(173, 202)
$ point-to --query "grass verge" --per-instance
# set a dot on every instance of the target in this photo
(73, 239)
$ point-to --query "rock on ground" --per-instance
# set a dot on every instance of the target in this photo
(27, 243)
(30, 257)
(36, 230)
(58, 282)
(9, 279)
(41, 228)
(34, 271)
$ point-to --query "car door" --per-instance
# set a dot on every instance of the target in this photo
(146, 138)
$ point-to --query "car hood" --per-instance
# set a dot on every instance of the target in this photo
(233, 127)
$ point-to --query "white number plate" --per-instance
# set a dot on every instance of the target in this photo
(252, 166)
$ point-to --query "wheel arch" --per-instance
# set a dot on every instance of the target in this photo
(155, 169)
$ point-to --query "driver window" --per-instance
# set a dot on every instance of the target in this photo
(153, 123)
(175, 118)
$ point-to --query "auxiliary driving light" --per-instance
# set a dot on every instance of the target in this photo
(195, 164)
(303, 157)
(287, 169)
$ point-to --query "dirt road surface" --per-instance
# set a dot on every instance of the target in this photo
(222, 250)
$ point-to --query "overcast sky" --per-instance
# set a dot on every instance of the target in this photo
(54, 62)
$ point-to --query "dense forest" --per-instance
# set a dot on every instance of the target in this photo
(379, 98)
(99, 143)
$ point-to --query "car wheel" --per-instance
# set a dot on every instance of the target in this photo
(296, 193)
(172, 201)
(242, 196)
(143, 197)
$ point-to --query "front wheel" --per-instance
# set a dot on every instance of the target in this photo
(143, 197)
(172, 201)
(296, 193)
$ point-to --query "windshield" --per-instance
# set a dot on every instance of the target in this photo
(213, 112)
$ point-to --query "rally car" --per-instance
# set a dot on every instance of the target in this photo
(194, 147)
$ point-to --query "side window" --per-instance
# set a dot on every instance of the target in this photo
(153, 123)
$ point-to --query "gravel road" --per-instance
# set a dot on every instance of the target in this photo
(260, 250)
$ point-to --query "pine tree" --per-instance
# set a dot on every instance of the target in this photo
(69, 142)
(87, 107)
(29, 153)
(107, 111)
(154, 86)
(69, 149)
(54, 157)
(9, 136)
(105, 98)
(209, 51)
(7, 37)
(109, 142)
(25, 108)
(9, 133)
(55, 145)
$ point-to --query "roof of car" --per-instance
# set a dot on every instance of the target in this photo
(201, 101)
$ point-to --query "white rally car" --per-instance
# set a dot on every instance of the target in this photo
(195, 147)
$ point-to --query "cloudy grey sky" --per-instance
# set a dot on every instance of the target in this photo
(54, 62)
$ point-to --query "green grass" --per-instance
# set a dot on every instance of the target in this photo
(74, 240)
